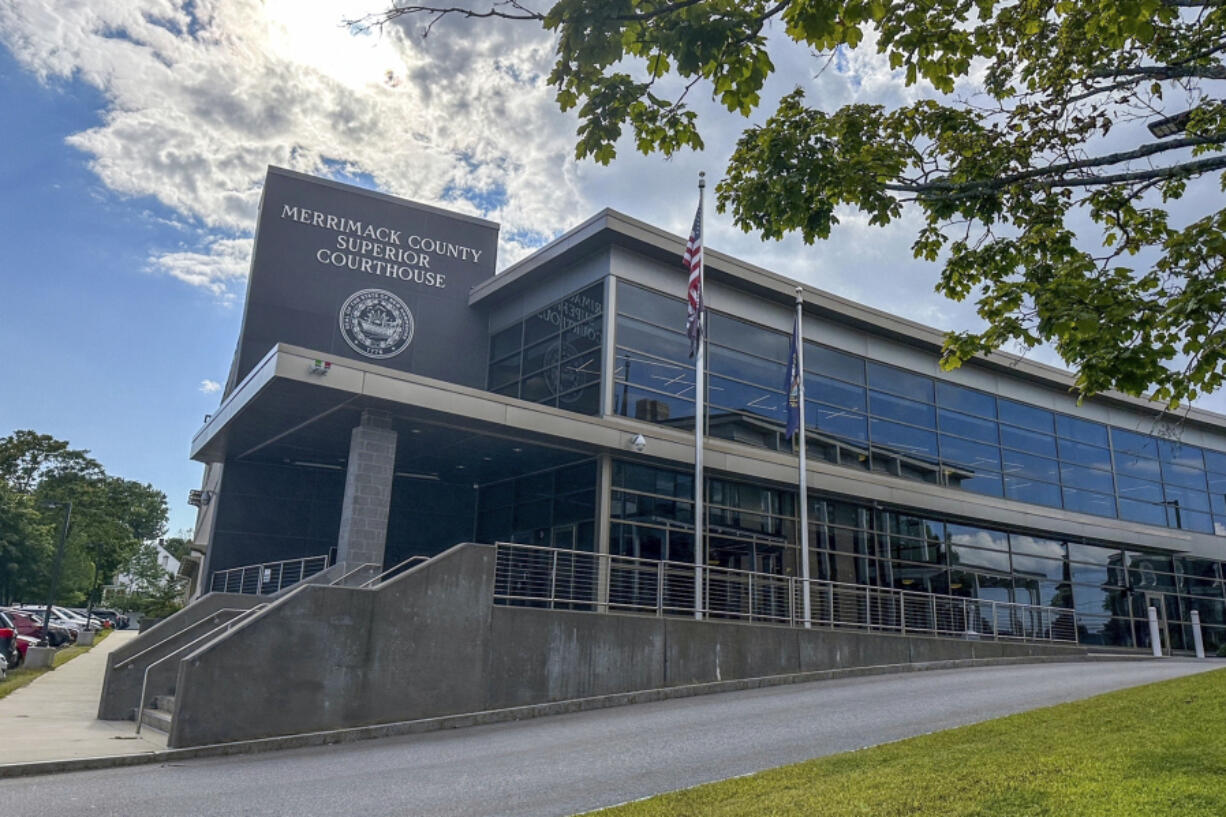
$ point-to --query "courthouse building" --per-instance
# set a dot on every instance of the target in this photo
(392, 396)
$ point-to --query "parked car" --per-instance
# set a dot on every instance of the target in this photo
(118, 620)
(71, 625)
(8, 647)
(31, 626)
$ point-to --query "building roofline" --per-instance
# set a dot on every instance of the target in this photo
(609, 227)
(375, 194)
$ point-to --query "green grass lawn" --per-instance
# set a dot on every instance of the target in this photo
(1154, 750)
(17, 678)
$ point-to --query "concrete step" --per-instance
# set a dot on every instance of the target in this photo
(156, 719)
(166, 703)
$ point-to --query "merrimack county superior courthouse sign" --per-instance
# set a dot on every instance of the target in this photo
(353, 273)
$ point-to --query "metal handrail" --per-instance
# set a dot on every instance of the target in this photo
(144, 684)
(357, 569)
(223, 577)
(390, 570)
(532, 574)
(206, 620)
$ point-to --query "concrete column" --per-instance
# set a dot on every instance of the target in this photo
(368, 491)
(604, 498)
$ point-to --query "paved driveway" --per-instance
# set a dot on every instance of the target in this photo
(571, 763)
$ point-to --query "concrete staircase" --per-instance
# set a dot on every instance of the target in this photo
(159, 714)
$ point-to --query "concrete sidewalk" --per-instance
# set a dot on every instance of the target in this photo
(56, 716)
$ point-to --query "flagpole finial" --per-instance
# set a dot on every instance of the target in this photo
(702, 179)
(800, 295)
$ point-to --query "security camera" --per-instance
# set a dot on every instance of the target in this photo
(638, 443)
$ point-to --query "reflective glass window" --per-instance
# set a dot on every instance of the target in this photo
(1028, 441)
(1017, 463)
(1175, 453)
(1190, 520)
(964, 425)
(585, 400)
(1217, 490)
(835, 393)
(1098, 599)
(1130, 442)
(1139, 489)
(1186, 499)
(904, 411)
(832, 363)
(541, 355)
(507, 341)
(1024, 489)
(1215, 461)
(965, 400)
(746, 367)
(1140, 467)
(653, 307)
(914, 550)
(907, 384)
(906, 440)
(836, 422)
(975, 456)
(653, 340)
(1020, 414)
(1094, 554)
(652, 407)
(732, 394)
(583, 337)
(1036, 567)
(977, 537)
(1143, 512)
(1212, 611)
(1037, 546)
(984, 482)
(1186, 477)
(504, 371)
(1082, 454)
(654, 373)
(1109, 632)
(1091, 479)
(960, 556)
(1081, 501)
(748, 337)
(1085, 431)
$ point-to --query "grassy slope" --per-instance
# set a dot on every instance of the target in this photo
(17, 678)
(1154, 750)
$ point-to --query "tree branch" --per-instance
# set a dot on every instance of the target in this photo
(1057, 170)
(1161, 72)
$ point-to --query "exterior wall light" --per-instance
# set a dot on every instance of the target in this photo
(638, 443)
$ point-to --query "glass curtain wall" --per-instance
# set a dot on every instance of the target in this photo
(552, 508)
(865, 414)
(553, 357)
(754, 527)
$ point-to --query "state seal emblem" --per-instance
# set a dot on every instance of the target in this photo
(376, 323)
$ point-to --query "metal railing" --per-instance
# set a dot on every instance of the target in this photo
(267, 578)
(577, 580)
(394, 571)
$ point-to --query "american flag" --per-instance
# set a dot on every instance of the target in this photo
(693, 260)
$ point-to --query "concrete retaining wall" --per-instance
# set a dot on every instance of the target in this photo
(122, 683)
(432, 643)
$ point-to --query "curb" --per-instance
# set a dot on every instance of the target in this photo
(423, 725)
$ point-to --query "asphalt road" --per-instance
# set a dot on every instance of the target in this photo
(567, 764)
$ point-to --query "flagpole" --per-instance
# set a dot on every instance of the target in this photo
(803, 491)
(700, 411)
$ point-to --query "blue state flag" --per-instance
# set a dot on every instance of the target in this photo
(793, 387)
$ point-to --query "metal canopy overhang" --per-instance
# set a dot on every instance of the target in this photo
(282, 406)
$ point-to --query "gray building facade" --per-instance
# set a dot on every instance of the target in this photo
(391, 396)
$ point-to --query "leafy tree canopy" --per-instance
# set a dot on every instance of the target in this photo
(1042, 195)
(110, 519)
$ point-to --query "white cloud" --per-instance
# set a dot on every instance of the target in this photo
(209, 386)
(223, 261)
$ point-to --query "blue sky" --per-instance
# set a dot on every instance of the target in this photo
(101, 352)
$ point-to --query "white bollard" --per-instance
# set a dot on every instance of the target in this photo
(1197, 639)
(1154, 637)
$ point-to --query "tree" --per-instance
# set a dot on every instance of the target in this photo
(111, 516)
(1052, 140)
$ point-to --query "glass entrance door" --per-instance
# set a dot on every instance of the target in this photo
(1158, 602)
